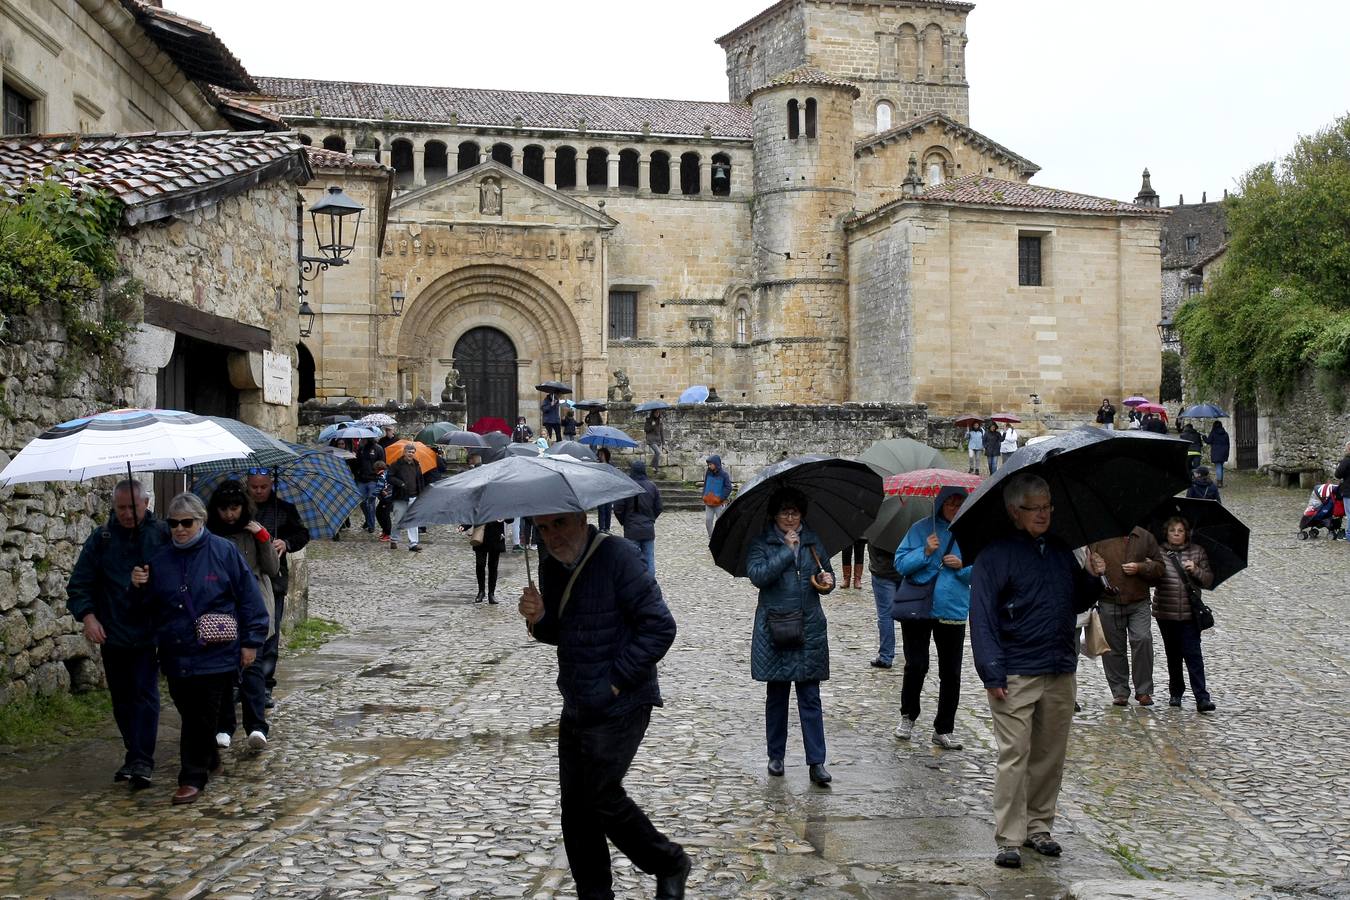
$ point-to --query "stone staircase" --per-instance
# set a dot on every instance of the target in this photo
(680, 494)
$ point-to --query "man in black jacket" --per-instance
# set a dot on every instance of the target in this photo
(406, 478)
(367, 480)
(99, 594)
(638, 514)
(601, 608)
(289, 535)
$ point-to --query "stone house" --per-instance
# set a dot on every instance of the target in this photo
(540, 235)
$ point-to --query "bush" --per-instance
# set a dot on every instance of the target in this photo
(1170, 389)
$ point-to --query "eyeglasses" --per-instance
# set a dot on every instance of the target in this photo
(789, 512)
(1037, 510)
(180, 523)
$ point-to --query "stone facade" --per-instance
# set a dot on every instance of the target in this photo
(1193, 233)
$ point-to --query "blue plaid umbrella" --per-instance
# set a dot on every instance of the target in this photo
(265, 451)
(319, 484)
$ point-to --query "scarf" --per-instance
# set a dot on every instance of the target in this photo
(192, 541)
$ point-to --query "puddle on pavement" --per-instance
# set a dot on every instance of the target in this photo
(387, 670)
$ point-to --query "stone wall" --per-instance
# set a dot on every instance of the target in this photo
(1304, 430)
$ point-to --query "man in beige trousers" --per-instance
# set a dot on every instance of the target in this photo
(1026, 593)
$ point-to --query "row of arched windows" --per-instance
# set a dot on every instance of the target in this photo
(801, 118)
(667, 173)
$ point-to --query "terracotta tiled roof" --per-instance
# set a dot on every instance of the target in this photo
(945, 124)
(320, 158)
(303, 98)
(156, 174)
(809, 75)
(192, 46)
(979, 190)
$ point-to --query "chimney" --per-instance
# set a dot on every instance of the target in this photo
(1204, 195)
(1147, 196)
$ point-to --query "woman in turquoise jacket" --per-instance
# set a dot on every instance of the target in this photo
(930, 551)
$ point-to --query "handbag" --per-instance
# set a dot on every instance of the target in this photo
(1094, 642)
(914, 600)
(787, 629)
(711, 499)
(478, 535)
(216, 628)
(1200, 612)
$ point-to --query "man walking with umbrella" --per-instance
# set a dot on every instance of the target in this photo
(603, 610)
(1026, 594)
(289, 535)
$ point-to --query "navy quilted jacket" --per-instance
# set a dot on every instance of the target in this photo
(784, 584)
(613, 632)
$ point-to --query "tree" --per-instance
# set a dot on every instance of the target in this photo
(1280, 303)
(1170, 388)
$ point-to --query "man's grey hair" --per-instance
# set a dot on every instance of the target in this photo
(187, 504)
(1021, 487)
(131, 486)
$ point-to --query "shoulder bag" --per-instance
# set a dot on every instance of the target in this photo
(787, 628)
(1200, 613)
(914, 600)
(213, 629)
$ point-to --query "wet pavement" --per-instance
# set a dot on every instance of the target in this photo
(415, 756)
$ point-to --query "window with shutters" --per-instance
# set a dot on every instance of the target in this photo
(622, 315)
(1028, 260)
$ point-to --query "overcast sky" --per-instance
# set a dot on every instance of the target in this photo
(1091, 90)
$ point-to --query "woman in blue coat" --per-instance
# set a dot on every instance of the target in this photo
(930, 551)
(1218, 449)
(782, 562)
(201, 574)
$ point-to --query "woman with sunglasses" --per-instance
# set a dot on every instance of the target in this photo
(231, 515)
(209, 621)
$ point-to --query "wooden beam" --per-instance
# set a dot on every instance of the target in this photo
(205, 326)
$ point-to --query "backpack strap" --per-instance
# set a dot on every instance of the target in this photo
(590, 551)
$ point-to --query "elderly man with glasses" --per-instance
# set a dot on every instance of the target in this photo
(1026, 593)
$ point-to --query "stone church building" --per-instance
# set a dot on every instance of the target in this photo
(836, 231)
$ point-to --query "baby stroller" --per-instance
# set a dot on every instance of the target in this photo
(1326, 509)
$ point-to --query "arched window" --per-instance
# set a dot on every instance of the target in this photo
(934, 66)
(435, 161)
(660, 172)
(811, 117)
(793, 122)
(628, 169)
(468, 157)
(401, 158)
(721, 174)
(532, 166)
(565, 167)
(937, 163)
(742, 326)
(597, 169)
(335, 142)
(885, 113)
(689, 173)
(306, 140)
(501, 153)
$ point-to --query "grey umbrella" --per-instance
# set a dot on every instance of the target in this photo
(525, 451)
(464, 439)
(895, 457)
(572, 449)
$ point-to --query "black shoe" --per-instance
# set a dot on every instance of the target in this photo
(1205, 706)
(671, 887)
(776, 768)
(479, 598)
(415, 548)
(1174, 701)
(880, 663)
(268, 702)
(140, 777)
(123, 774)
(819, 774)
(1008, 858)
(492, 599)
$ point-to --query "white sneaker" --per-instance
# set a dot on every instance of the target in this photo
(905, 730)
(257, 740)
(222, 740)
(946, 741)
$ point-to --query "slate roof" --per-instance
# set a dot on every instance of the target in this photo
(946, 124)
(156, 174)
(304, 98)
(192, 46)
(1208, 222)
(980, 190)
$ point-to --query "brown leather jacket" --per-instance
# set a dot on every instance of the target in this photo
(1139, 546)
(1170, 601)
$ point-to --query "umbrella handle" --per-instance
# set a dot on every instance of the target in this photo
(529, 573)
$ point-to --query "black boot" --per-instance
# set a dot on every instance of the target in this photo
(671, 887)
(492, 599)
(479, 598)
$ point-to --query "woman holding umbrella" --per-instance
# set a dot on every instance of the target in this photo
(1185, 570)
(929, 551)
(790, 566)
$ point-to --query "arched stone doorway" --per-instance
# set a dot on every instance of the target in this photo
(486, 360)
(305, 368)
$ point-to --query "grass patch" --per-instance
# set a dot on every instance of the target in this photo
(311, 634)
(1130, 860)
(35, 720)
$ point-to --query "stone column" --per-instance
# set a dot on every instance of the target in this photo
(644, 175)
(581, 171)
(419, 166)
(612, 176)
(551, 170)
(705, 176)
(517, 160)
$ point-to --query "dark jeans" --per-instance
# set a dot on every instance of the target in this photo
(383, 509)
(592, 762)
(604, 515)
(808, 710)
(133, 683)
(554, 432)
(197, 699)
(992, 462)
(485, 567)
(950, 641)
(252, 696)
(1181, 642)
(266, 663)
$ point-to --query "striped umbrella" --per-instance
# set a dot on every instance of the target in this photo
(121, 442)
(319, 484)
(928, 483)
(265, 450)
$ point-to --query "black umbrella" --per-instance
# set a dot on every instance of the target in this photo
(464, 439)
(572, 449)
(553, 387)
(1221, 534)
(1102, 484)
(843, 500)
(590, 404)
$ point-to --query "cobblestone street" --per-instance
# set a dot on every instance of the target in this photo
(415, 755)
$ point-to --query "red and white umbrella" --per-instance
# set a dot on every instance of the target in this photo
(1006, 418)
(928, 482)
